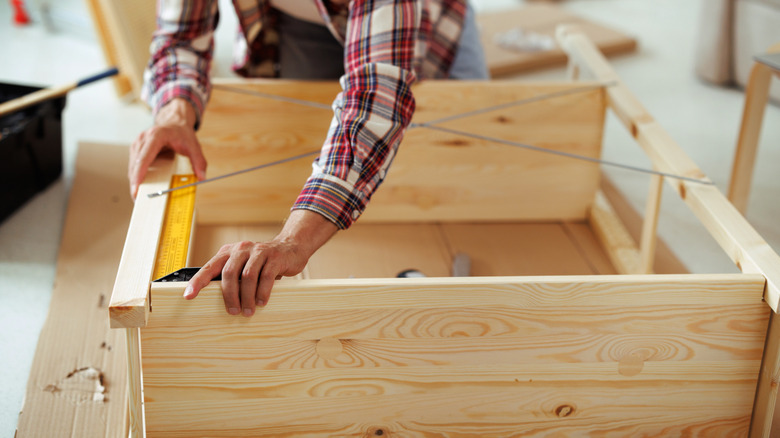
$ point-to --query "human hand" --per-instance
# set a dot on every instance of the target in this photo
(173, 130)
(249, 269)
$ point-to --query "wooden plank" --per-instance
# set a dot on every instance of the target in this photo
(649, 239)
(77, 352)
(756, 98)
(435, 176)
(135, 383)
(666, 262)
(401, 349)
(734, 234)
(129, 305)
(615, 239)
(517, 249)
(541, 20)
(765, 408)
(537, 410)
(125, 31)
(521, 291)
(107, 43)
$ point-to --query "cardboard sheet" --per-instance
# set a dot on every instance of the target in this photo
(538, 23)
(77, 385)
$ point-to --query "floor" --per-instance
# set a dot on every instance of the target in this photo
(703, 119)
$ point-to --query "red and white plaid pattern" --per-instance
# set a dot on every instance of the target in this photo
(387, 46)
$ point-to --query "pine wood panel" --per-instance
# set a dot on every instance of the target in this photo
(128, 306)
(513, 411)
(468, 355)
(435, 176)
(734, 234)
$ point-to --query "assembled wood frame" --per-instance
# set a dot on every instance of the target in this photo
(487, 356)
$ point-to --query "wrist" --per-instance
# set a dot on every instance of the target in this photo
(307, 230)
(176, 112)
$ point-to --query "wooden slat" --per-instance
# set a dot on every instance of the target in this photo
(125, 31)
(537, 410)
(351, 355)
(129, 300)
(135, 384)
(736, 236)
(77, 352)
(756, 98)
(647, 242)
(108, 44)
(666, 262)
(175, 386)
(520, 291)
(617, 242)
(435, 176)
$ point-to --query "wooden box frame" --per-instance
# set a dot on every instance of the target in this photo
(613, 355)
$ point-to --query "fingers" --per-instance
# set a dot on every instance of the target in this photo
(210, 270)
(239, 255)
(150, 143)
(268, 275)
(249, 271)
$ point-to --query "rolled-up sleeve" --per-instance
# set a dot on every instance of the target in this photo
(181, 53)
(370, 114)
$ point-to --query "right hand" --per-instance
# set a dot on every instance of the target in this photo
(173, 130)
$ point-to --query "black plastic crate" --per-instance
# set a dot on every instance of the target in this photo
(30, 147)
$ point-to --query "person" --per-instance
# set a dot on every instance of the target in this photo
(378, 49)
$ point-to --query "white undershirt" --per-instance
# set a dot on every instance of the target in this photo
(301, 9)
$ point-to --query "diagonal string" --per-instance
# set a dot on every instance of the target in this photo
(431, 125)
(238, 172)
(566, 154)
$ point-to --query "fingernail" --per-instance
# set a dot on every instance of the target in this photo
(233, 311)
(247, 312)
(188, 291)
(260, 303)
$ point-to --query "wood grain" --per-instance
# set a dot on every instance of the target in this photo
(485, 356)
(756, 98)
(434, 176)
(615, 239)
(739, 240)
(129, 302)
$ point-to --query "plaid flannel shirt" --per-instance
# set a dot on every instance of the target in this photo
(387, 46)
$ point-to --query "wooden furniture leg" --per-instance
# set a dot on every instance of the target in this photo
(756, 97)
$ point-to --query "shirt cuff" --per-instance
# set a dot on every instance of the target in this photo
(333, 198)
(173, 90)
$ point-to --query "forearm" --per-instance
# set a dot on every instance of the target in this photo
(181, 54)
(371, 114)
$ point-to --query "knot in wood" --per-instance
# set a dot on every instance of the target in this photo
(563, 411)
(329, 348)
